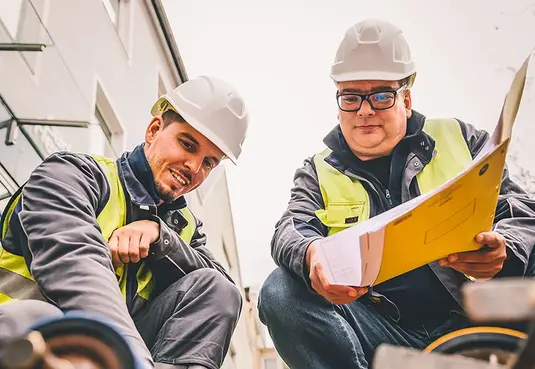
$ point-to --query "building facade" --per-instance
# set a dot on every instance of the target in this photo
(265, 355)
(82, 76)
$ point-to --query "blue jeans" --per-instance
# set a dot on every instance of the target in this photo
(309, 332)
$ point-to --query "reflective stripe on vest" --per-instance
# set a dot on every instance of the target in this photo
(347, 202)
(16, 282)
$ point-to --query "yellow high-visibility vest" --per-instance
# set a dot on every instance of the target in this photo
(16, 281)
(346, 200)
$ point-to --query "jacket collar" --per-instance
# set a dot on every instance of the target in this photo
(138, 180)
(415, 140)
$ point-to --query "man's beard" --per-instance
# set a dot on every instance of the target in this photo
(166, 197)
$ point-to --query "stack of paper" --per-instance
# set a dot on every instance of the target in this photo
(431, 226)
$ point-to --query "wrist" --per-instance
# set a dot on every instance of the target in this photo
(155, 226)
(308, 254)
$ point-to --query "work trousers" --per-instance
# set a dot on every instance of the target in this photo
(309, 332)
(190, 323)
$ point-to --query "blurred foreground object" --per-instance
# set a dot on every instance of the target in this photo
(506, 301)
(70, 342)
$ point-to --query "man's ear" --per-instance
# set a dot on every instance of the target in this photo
(154, 127)
(407, 101)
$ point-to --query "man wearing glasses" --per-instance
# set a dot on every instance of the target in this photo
(381, 154)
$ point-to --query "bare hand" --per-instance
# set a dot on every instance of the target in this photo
(334, 293)
(130, 244)
(483, 263)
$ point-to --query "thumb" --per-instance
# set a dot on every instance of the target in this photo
(358, 291)
(490, 239)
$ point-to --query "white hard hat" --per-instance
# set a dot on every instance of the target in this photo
(373, 49)
(214, 108)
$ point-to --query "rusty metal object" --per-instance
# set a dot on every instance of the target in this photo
(31, 352)
(72, 351)
(84, 352)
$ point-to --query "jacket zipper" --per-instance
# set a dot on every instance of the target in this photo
(381, 195)
(388, 197)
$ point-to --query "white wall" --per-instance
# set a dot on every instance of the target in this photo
(88, 49)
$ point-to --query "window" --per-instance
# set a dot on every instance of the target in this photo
(7, 188)
(4, 193)
(51, 139)
(16, 161)
(4, 197)
(227, 256)
(103, 124)
(161, 86)
(101, 137)
(24, 25)
(10, 16)
(112, 7)
(19, 160)
(120, 13)
(270, 363)
(107, 135)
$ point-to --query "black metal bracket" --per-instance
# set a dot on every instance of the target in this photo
(12, 132)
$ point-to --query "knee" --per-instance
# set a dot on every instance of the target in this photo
(44, 311)
(18, 316)
(221, 292)
(278, 294)
(30, 310)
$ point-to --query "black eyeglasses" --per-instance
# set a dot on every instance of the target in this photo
(380, 100)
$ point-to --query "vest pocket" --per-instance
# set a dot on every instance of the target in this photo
(341, 215)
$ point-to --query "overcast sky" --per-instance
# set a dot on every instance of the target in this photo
(278, 54)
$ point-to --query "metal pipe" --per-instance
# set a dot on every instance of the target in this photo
(22, 47)
(53, 122)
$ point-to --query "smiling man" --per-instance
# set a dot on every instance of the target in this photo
(381, 154)
(116, 238)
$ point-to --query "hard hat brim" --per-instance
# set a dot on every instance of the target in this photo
(208, 133)
(370, 76)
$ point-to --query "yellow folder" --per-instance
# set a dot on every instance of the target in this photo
(447, 222)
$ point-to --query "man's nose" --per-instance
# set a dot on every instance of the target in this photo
(365, 110)
(194, 163)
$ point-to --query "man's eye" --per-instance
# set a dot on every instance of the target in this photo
(186, 145)
(209, 164)
(383, 96)
(351, 99)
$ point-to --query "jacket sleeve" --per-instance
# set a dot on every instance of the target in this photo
(299, 226)
(515, 212)
(66, 252)
(174, 258)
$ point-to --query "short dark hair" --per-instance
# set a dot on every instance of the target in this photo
(171, 116)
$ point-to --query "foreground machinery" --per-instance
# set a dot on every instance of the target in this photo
(506, 301)
(82, 342)
(70, 342)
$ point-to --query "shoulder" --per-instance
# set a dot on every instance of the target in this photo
(73, 173)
